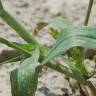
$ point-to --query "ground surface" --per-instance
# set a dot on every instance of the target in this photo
(29, 12)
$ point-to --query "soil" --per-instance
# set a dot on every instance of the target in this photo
(29, 12)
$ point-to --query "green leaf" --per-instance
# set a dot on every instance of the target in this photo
(27, 46)
(25, 78)
(14, 45)
(73, 37)
(70, 38)
(23, 48)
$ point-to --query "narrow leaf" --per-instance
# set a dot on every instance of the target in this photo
(27, 46)
(13, 45)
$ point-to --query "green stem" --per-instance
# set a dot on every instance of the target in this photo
(88, 12)
(86, 23)
(87, 20)
(60, 68)
(11, 21)
(89, 84)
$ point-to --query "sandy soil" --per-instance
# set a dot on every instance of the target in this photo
(29, 12)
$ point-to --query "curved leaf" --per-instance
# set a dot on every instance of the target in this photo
(73, 37)
(25, 78)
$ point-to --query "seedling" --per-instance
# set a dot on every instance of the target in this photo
(70, 41)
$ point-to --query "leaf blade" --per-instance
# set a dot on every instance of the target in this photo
(25, 78)
(74, 38)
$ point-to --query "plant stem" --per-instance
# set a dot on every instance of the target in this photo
(86, 23)
(11, 21)
(88, 12)
(89, 84)
(60, 68)
(87, 20)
